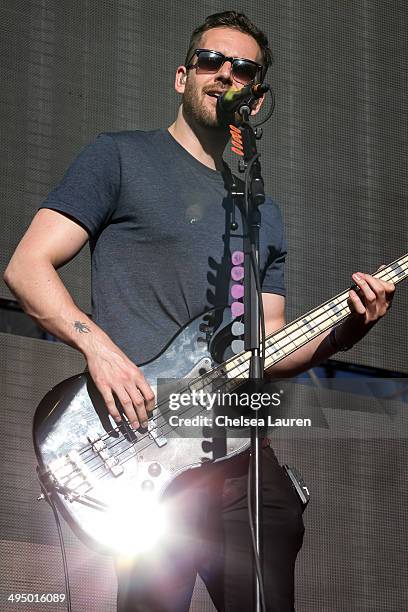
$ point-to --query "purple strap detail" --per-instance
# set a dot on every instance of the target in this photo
(237, 309)
(237, 291)
(237, 258)
(237, 273)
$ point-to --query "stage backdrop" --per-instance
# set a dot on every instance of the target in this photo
(334, 155)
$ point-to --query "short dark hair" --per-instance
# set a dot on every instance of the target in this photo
(237, 21)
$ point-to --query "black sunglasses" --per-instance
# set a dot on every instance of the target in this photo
(209, 62)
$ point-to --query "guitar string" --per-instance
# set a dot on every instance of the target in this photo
(320, 310)
(334, 318)
(241, 364)
(343, 295)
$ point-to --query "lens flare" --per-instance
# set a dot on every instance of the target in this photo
(130, 525)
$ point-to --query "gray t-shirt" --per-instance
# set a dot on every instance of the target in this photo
(160, 237)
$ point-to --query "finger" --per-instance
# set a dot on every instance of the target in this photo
(377, 286)
(389, 288)
(355, 303)
(383, 289)
(127, 404)
(147, 392)
(109, 400)
(138, 404)
(367, 295)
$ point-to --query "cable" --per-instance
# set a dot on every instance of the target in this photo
(254, 263)
(62, 545)
(270, 111)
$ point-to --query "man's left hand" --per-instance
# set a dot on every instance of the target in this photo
(368, 304)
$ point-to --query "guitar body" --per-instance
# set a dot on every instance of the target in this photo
(91, 467)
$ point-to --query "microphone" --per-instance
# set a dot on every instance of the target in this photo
(229, 102)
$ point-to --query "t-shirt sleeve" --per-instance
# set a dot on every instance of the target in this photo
(273, 280)
(88, 192)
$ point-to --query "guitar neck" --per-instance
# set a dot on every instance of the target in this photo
(289, 338)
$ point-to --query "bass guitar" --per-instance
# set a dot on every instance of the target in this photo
(92, 467)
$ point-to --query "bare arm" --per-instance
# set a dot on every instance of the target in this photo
(52, 240)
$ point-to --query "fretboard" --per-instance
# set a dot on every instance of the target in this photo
(289, 338)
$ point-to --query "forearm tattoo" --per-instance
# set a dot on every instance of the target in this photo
(81, 327)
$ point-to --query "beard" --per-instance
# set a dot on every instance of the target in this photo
(195, 109)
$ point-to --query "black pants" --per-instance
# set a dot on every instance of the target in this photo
(211, 537)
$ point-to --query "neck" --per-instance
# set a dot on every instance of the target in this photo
(205, 144)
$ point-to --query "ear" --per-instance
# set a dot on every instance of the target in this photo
(180, 80)
(257, 106)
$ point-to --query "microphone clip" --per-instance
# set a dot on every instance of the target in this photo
(236, 105)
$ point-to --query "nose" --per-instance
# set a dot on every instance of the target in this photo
(225, 72)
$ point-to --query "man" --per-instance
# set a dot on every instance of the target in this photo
(155, 207)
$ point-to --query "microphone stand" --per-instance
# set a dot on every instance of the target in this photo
(254, 197)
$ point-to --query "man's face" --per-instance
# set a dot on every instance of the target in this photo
(199, 97)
